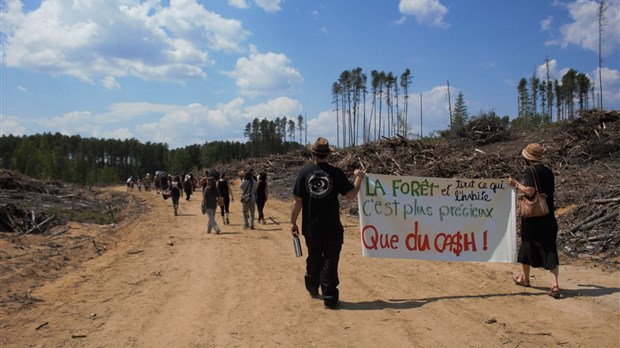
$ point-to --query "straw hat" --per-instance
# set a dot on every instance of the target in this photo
(321, 147)
(533, 152)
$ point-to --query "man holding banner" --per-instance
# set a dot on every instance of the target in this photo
(315, 195)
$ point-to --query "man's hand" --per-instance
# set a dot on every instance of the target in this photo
(294, 229)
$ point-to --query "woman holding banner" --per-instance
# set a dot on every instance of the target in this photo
(538, 234)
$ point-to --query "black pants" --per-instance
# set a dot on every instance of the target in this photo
(322, 266)
(260, 205)
(225, 208)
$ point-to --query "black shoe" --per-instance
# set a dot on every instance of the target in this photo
(315, 294)
(329, 305)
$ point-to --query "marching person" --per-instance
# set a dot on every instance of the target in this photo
(224, 186)
(188, 186)
(315, 195)
(261, 196)
(175, 193)
(248, 199)
(538, 234)
(210, 196)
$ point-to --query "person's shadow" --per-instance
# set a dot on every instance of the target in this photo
(589, 290)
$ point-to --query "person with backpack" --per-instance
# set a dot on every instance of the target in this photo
(248, 199)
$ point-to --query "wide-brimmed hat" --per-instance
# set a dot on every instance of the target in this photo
(533, 152)
(321, 147)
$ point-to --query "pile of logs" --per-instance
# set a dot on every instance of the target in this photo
(28, 205)
(597, 234)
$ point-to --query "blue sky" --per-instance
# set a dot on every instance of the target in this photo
(189, 71)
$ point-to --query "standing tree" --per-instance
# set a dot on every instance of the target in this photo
(374, 89)
(524, 102)
(336, 92)
(534, 82)
(602, 21)
(583, 87)
(300, 126)
(569, 87)
(405, 81)
(549, 87)
(559, 97)
(291, 130)
(390, 80)
(460, 115)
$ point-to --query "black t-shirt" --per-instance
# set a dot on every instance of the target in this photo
(546, 182)
(318, 185)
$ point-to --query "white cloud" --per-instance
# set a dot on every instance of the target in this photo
(176, 125)
(425, 12)
(435, 110)
(270, 6)
(238, 4)
(545, 24)
(76, 122)
(584, 30)
(22, 89)
(324, 125)
(610, 78)
(120, 133)
(11, 125)
(104, 40)
(264, 74)
(611, 87)
(541, 70)
(278, 107)
(110, 83)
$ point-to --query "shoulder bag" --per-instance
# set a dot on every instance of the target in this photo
(245, 198)
(536, 205)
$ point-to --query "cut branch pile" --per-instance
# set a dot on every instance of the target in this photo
(34, 206)
(584, 154)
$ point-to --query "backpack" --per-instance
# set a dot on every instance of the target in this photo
(247, 193)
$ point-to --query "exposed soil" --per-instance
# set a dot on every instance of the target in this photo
(129, 273)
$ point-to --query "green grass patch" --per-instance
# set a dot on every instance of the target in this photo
(84, 215)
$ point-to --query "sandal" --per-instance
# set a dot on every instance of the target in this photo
(555, 293)
(520, 280)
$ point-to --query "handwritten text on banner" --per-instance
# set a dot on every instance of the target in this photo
(437, 219)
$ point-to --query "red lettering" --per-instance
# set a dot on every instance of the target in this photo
(415, 241)
(373, 240)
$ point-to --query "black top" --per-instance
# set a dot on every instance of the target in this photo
(546, 182)
(222, 185)
(318, 185)
(261, 191)
(538, 234)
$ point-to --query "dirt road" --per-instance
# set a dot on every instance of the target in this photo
(169, 284)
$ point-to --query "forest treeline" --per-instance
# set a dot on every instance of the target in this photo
(540, 100)
(92, 161)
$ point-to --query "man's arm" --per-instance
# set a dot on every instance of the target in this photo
(359, 177)
(295, 209)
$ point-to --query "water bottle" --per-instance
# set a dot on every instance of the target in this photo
(297, 245)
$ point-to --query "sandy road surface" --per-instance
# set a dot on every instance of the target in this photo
(169, 284)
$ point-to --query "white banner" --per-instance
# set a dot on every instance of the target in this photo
(437, 219)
